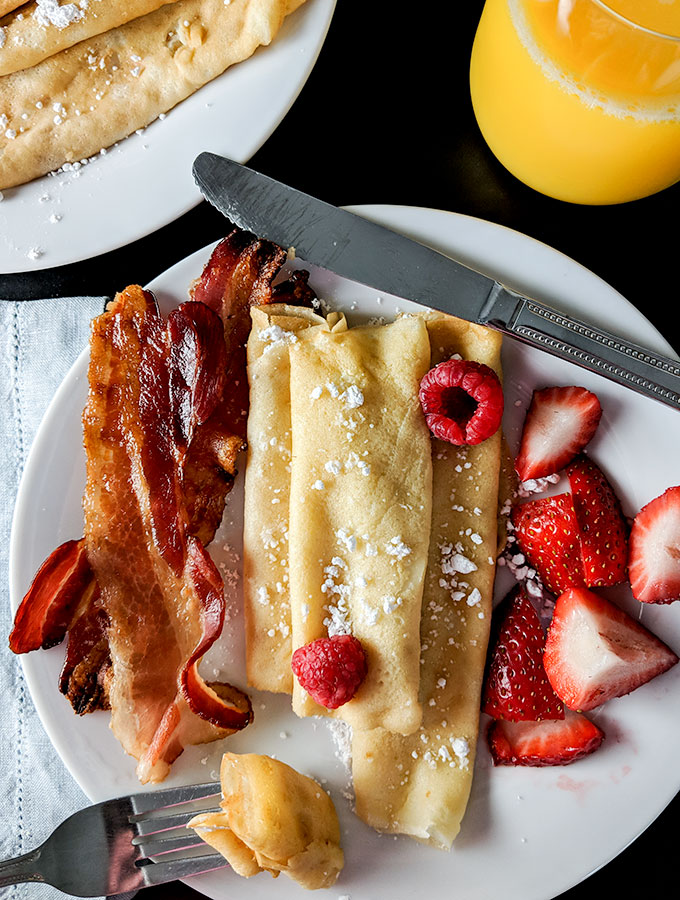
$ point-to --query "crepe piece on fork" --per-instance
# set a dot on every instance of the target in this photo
(419, 785)
(360, 499)
(267, 491)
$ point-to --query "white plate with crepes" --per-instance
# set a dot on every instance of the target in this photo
(528, 834)
(144, 181)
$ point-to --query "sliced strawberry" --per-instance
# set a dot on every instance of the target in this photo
(547, 532)
(547, 743)
(516, 686)
(654, 560)
(602, 527)
(558, 425)
(595, 651)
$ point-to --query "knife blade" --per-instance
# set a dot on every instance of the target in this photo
(371, 254)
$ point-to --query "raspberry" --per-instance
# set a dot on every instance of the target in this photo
(462, 401)
(330, 669)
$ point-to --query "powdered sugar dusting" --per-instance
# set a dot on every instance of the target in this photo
(275, 335)
(537, 485)
(51, 12)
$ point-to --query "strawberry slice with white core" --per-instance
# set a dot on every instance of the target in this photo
(654, 550)
(547, 743)
(558, 425)
(595, 651)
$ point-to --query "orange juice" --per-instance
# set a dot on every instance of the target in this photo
(578, 99)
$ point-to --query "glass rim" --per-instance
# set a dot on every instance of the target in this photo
(636, 25)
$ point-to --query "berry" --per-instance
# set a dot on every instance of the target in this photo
(654, 560)
(546, 743)
(330, 669)
(547, 531)
(516, 686)
(558, 425)
(462, 401)
(595, 651)
(601, 525)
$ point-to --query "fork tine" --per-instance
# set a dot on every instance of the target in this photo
(164, 841)
(154, 803)
(165, 834)
(180, 842)
(193, 863)
(155, 824)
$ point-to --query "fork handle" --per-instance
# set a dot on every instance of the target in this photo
(21, 868)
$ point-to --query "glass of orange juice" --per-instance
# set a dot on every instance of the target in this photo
(580, 99)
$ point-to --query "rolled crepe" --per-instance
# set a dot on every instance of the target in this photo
(360, 502)
(267, 491)
(33, 34)
(419, 785)
(87, 97)
(8, 6)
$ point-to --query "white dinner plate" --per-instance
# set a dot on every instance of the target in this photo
(528, 834)
(145, 181)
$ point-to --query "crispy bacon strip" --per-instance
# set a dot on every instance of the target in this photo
(198, 368)
(205, 699)
(238, 275)
(87, 670)
(63, 597)
(137, 526)
(53, 599)
(164, 423)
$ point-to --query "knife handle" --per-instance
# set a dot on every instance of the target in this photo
(585, 345)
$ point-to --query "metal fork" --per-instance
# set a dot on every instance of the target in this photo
(123, 845)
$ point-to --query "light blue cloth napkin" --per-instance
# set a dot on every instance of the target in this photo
(39, 340)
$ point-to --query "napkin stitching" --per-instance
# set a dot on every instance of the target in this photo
(17, 394)
(19, 452)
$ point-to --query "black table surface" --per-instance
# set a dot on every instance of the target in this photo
(385, 117)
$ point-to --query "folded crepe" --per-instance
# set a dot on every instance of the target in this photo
(43, 28)
(267, 492)
(419, 785)
(85, 98)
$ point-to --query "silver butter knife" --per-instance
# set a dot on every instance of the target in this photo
(373, 255)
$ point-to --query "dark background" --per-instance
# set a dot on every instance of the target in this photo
(385, 117)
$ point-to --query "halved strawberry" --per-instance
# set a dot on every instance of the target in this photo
(516, 686)
(547, 743)
(654, 560)
(547, 531)
(558, 425)
(602, 527)
(595, 651)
